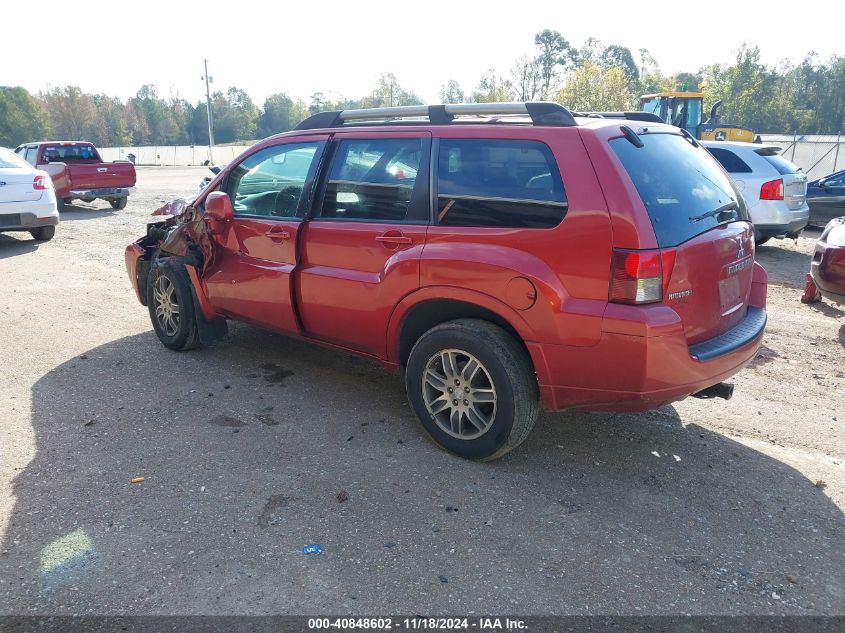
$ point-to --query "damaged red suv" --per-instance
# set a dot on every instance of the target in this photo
(507, 257)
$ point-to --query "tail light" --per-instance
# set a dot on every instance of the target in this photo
(640, 276)
(772, 190)
(42, 183)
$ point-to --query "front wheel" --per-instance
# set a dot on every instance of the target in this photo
(473, 388)
(171, 305)
(119, 203)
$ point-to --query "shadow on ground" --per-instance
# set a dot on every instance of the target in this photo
(86, 211)
(258, 446)
(20, 245)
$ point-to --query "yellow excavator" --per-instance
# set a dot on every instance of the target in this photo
(682, 108)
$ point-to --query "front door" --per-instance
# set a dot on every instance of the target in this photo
(269, 189)
(361, 249)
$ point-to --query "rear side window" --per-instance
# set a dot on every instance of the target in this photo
(732, 163)
(677, 184)
(372, 180)
(31, 153)
(499, 183)
(781, 164)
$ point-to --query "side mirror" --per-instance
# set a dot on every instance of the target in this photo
(218, 210)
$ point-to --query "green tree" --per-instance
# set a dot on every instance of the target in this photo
(22, 117)
(279, 114)
(451, 92)
(590, 88)
(493, 88)
(554, 56)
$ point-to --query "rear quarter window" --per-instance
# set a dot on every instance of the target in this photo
(732, 163)
(782, 165)
(676, 183)
(498, 183)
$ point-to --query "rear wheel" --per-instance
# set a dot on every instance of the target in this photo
(119, 203)
(473, 388)
(43, 233)
(171, 305)
(61, 203)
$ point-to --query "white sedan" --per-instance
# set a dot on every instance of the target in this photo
(27, 198)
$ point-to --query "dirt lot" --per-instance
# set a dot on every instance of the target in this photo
(701, 507)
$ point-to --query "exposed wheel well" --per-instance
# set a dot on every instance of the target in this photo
(425, 316)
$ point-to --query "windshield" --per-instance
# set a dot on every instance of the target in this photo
(678, 183)
(8, 160)
(69, 153)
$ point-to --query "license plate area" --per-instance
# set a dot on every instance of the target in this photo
(11, 219)
(732, 293)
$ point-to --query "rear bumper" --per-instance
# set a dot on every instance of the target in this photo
(828, 271)
(773, 218)
(26, 221)
(108, 192)
(643, 361)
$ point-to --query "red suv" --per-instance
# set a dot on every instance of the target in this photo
(506, 256)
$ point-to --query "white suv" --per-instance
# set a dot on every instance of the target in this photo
(774, 189)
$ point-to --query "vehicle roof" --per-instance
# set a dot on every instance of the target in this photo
(57, 143)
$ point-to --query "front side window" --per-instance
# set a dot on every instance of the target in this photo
(372, 180)
(270, 183)
(498, 183)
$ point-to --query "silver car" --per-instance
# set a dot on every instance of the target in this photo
(27, 198)
(774, 189)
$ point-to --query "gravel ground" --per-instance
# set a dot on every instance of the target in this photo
(260, 445)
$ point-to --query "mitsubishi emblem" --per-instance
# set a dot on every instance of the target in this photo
(741, 252)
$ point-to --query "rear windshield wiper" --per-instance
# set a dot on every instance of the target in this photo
(728, 206)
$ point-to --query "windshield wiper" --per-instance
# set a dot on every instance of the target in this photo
(728, 206)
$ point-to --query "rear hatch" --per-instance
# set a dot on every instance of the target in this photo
(707, 256)
(794, 180)
(16, 185)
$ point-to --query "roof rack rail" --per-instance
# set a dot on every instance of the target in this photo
(649, 117)
(540, 113)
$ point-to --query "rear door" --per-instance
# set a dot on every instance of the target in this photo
(711, 254)
(361, 249)
(255, 257)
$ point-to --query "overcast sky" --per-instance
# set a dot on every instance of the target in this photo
(340, 48)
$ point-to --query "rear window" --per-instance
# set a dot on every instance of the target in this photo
(780, 163)
(676, 182)
(69, 154)
(498, 183)
(732, 163)
(8, 160)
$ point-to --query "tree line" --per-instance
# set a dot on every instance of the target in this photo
(806, 98)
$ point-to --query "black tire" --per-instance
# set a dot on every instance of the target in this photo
(511, 376)
(43, 233)
(185, 334)
(119, 203)
(61, 203)
(759, 241)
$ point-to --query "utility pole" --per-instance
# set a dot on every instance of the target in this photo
(208, 109)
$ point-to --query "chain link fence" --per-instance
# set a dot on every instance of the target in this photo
(816, 155)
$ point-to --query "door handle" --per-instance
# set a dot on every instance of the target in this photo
(278, 235)
(393, 237)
